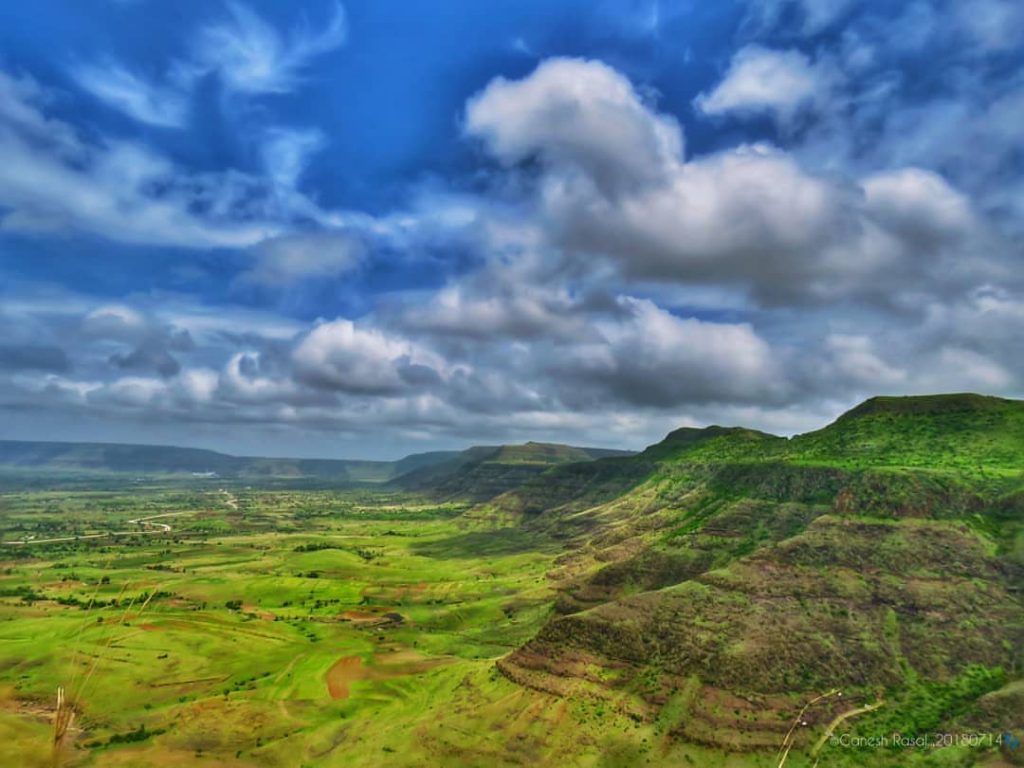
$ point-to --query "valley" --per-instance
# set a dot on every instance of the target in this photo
(725, 598)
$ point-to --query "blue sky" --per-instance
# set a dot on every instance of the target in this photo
(372, 228)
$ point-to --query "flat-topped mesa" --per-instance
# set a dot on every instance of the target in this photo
(714, 443)
(958, 402)
(483, 472)
(937, 432)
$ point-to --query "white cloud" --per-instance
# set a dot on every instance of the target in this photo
(342, 356)
(581, 113)
(614, 281)
(166, 107)
(286, 152)
(249, 55)
(852, 360)
(918, 204)
(130, 392)
(115, 321)
(52, 180)
(242, 381)
(959, 369)
(653, 358)
(751, 216)
(197, 385)
(816, 15)
(252, 57)
(765, 81)
(503, 299)
(995, 25)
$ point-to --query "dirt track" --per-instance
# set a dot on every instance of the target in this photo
(155, 528)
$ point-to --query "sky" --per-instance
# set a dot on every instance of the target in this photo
(378, 227)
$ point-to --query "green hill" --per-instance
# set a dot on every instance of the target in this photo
(956, 433)
(724, 576)
(484, 472)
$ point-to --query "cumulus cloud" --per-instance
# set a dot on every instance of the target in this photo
(601, 278)
(917, 204)
(516, 299)
(852, 360)
(765, 81)
(579, 113)
(135, 342)
(115, 321)
(634, 367)
(750, 216)
(653, 358)
(342, 356)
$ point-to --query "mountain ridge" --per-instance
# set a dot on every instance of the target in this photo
(882, 554)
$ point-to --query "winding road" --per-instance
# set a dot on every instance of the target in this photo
(230, 501)
(154, 528)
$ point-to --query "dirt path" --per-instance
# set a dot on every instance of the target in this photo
(789, 741)
(839, 719)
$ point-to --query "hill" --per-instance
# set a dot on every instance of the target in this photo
(723, 577)
(484, 472)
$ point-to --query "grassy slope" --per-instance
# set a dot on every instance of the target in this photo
(882, 553)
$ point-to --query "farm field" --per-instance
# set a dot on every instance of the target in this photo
(272, 628)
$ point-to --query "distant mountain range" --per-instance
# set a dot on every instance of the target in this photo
(482, 464)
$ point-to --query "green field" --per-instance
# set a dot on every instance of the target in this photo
(278, 629)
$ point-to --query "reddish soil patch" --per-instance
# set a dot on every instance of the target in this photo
(386, 666)
(345, 670)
